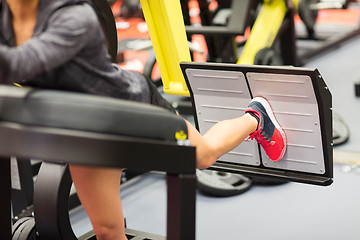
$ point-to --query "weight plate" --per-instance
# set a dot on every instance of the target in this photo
(29, 231)
(24, 229)
(221, 184)
(268, 56)
(15, 228)
(341, 131)
(266, 181)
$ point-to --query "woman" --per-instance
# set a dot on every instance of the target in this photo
(59, 44)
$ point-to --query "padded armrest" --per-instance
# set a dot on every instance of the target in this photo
(85, 112)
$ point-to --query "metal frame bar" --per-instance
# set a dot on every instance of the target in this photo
(94, 149)
(22, 198)
(327, 45)
(5, 200)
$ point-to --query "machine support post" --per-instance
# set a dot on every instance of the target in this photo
(5, 216)
(181, 194)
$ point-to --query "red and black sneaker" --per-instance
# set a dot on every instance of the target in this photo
(268, 133)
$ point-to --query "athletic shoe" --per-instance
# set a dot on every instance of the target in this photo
(268, 133)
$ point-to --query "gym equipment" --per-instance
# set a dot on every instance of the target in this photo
(157, 13)
(328, 39)
(107, 142)
(221, 27)
(222, 184)
(146, 45)
(301, 102)
(101, 141)
(170, 31)
(22, 187)
(267, 56)
(309, 14)
(52, 216)
(272, 25)
(230, 87)
(357, 89)
(24, 229)
(341, 131)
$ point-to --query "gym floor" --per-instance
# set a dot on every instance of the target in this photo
(289, 211)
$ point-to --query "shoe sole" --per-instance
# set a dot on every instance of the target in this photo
(271, 115)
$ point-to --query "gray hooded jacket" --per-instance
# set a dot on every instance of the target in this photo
(66, 52)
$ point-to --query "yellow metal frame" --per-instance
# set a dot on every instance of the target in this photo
(264, 31)
(167, 32)
(265, 28)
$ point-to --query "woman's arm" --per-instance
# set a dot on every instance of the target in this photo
(69, 30)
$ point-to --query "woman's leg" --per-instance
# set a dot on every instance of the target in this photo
(99, 188)
(221, 138)
(258, 121)
(99, 193)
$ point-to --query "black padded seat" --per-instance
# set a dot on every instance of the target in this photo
(85, 112)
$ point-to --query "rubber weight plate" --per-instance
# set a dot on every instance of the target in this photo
(16, 227)
(221, 184)
(268, 56)
(341, 131)
(24, 229)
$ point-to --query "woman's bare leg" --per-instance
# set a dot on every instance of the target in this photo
(221, 138)
(99, 193)
(99, 188)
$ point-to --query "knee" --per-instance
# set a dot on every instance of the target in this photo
(205, 161)
(206, 155)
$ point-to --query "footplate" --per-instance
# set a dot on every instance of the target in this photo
(301, 102)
